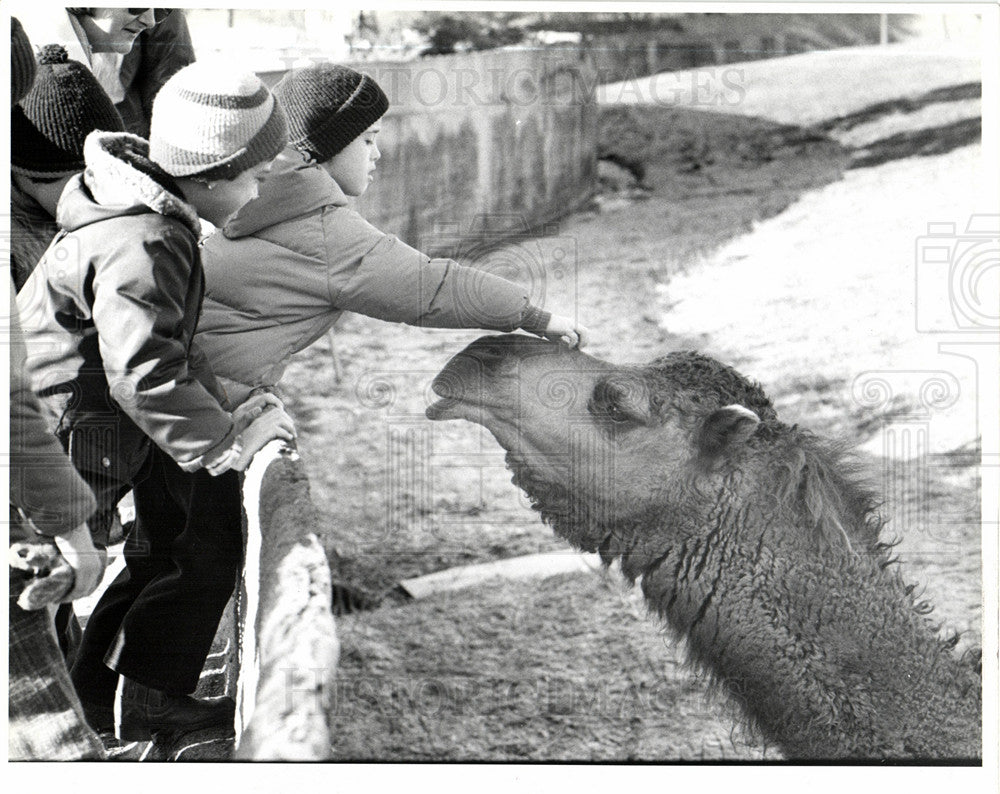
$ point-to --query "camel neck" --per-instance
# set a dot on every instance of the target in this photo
(828, 657)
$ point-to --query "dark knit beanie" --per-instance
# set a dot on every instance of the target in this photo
(328, 106)
(215, 123)
(22, 62)
(65, 104)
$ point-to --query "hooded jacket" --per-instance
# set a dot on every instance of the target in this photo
(109, 312)
(282, 271)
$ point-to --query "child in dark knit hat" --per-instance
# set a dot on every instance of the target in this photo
(48, 127)
(109, 316)
(285, 268)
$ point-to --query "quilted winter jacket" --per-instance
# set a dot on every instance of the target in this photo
(109, 313)
(290, 262)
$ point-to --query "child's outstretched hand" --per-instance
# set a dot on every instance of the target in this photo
(567, 330)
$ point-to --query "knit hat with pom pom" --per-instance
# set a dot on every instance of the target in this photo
(65, 104)
(213, 122)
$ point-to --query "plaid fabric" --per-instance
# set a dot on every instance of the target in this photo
(45, 717)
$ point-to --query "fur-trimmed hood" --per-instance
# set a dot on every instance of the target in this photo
(120, 179)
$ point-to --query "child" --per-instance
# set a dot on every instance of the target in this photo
(289, 263)
(109, 315)
(48, 128)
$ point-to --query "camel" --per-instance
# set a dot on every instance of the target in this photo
(757, 542)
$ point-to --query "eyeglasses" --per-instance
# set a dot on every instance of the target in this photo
(159, 14)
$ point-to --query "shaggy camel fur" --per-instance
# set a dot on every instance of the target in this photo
(755, 541)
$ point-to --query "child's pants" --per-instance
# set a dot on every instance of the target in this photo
(156, 622)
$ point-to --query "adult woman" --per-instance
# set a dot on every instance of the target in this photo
(97, 37)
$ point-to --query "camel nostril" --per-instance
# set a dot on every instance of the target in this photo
(449, 385)
(442, 389)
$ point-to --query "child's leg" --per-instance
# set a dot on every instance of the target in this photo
(147, 555)
(187, 577)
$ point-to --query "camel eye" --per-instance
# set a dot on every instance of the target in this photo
(617, 415)
(609, 402)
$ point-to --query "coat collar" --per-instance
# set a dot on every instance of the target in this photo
(293, 187)
(120, 176)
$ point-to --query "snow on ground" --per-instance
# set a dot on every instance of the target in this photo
(810, 87)
(938, 114)
(829, 288)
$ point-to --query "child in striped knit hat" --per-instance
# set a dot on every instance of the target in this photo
(109, 316)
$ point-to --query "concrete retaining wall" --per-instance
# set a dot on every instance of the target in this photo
(509, 134)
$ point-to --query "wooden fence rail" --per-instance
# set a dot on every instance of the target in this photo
(288, 647)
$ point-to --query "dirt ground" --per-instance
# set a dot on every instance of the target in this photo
(571, 667)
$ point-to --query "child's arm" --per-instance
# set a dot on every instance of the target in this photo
(377, 275)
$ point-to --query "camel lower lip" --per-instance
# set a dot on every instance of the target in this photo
(447, 408)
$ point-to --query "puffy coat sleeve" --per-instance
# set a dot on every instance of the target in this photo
(43, 483)
(145, 309)
(378, 275)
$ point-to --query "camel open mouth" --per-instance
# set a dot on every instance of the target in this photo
(457, 399)
(445, 408)
(451, 407)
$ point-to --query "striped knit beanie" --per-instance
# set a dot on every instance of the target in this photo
(22, 62)
(328, 106)
(65, 104)
(213, 122)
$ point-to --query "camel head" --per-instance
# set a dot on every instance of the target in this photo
(595, 444)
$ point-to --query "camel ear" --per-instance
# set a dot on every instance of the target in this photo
(725, 429)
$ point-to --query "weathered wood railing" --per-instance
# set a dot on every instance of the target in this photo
(288, 645)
